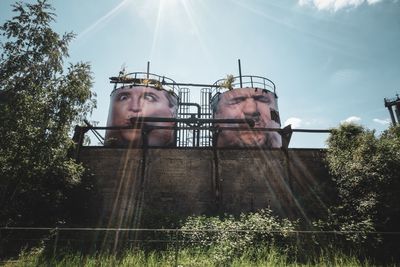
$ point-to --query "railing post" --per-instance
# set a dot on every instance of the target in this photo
(1, 246)
(217, 181)
(55, 243)
(176, 248)
(79, 134)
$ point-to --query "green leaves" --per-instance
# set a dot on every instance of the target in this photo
(366, 170)
(230, 237)
(42, 103)
(228, 82)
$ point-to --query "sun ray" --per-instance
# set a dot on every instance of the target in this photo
(156, 29)
(190, 14)
(322, 41)
(102, 19)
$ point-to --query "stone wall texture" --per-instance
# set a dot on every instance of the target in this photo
(140, 187)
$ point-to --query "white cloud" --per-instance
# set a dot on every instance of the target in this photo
(352, 119)
(294, 122)
(383, 122)
(307, 123)
(335, 5)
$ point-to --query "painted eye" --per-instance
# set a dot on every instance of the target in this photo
(149, 97)
(236, 100)
(263, 99)
(123, 97)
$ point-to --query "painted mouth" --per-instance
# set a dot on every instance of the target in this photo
(257, 122)
(132, 120)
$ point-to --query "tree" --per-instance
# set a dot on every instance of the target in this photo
(366, 171)
(39, 103)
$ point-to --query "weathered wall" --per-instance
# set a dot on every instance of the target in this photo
(138, 187)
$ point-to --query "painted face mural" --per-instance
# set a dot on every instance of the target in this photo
(140, 101)
(248, 103)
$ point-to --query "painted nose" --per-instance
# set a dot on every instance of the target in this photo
(135, 105)
(250, 108)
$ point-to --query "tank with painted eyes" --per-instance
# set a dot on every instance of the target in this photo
(250, 98)
(142, 95)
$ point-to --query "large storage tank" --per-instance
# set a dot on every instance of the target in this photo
(247, 97)
(141, 95)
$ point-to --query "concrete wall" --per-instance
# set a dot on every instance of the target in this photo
(140, 187)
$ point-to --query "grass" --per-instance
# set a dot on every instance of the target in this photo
(185, 257)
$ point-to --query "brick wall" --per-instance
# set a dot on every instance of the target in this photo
(138, 188)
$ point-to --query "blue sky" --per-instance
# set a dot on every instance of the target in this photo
(331, 60)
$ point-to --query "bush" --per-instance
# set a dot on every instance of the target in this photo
(365, 169)
(228, 238)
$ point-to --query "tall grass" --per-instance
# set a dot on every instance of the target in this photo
(262, 256)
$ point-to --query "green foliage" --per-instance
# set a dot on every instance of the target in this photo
(184, 257)
(228, 82)
(366, 171)
(39, 104)
(228, 237)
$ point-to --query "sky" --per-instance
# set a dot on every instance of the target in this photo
(332, 61)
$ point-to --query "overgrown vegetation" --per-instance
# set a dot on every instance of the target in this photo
(228, 238)
(365, 169)
(39, 103)
(261, 256)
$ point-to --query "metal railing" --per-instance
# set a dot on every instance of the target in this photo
(197, 126)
